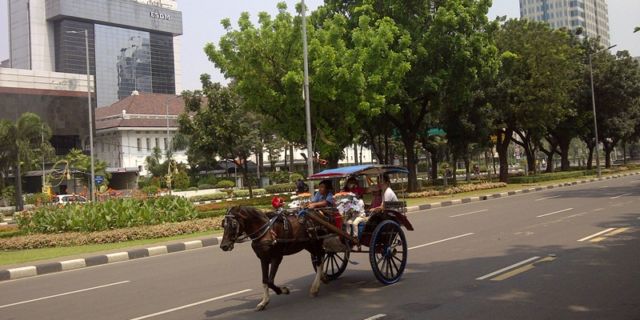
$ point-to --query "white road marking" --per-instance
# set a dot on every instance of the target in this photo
(443, 240)
(595, 234)
(545, 198)
(550, 213)
(577, 214)
(622, 195)
(513, 266)
(192, 304)
(468, 213)
(64, 294)
(598, 209)
(377, 316)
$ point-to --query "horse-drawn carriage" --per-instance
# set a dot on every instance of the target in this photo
(326, 233)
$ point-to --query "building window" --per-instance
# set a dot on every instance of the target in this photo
(148, 144)
(157, 143)
(139, 144)
(166, 144)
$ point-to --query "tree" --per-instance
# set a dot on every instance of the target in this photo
(352, 70)
(24, 143)
(448, 47)
(534, 86)
(220, 125)
(617, 92)
(80, 163)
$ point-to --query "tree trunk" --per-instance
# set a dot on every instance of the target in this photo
(434, 167)
(245, 175)
(386, 149)
(502, 146)
(607, 157)
(624, 152)
(355, 154)
(286, 158)
(18, 178)
(467, 163)
(454, 168)
(590, 157)
(409, 144)
(291, 157)
(564, 146)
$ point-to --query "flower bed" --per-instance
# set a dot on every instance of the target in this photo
(457, 189)
(42, 240)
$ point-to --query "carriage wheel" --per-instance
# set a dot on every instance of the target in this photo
(335, 263)
(388, 252)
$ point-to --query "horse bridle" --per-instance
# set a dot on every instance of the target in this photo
(230, 219)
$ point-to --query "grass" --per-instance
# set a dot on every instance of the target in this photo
(23, 256)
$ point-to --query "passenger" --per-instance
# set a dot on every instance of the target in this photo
(387, 193)
(353, 187)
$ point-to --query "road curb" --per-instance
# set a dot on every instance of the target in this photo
(447, 203)
(52, 267)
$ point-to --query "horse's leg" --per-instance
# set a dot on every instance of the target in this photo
(315, 286)
(265, 284)
(275, 263)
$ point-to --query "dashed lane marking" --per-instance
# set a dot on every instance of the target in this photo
(551, 213)
(468, 213)
(439, 241)
(64, 294)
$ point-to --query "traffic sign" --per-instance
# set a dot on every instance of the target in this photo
(99, 179)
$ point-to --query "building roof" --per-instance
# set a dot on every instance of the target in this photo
(142, 110)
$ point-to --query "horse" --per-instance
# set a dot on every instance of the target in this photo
(273, 236)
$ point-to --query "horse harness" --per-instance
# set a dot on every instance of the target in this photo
(262, 231)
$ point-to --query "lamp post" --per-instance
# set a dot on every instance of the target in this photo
(307, 98)
(168, 148)
(92, 186)
(593, 104)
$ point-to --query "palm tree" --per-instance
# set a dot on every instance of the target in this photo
(23, 143)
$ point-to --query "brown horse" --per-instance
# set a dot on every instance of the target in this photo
(272, 237)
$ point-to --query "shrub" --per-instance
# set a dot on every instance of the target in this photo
(279, 188)
(210, 196)
(9, 195)
(110, 214)
(295, 176)
(550, 176)
(37, 198)
(205, 186)
(40, 240)
(279, 177)
(207, 180)
(457, 189)
(245, 192)
(224, 184)
(151, 190)
(181, 180)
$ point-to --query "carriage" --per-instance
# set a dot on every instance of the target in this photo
(285, 232)
(381, 236)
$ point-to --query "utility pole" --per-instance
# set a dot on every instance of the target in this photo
(307, 98)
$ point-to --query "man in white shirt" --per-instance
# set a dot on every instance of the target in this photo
(387, 193)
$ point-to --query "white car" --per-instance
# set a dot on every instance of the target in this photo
(65, 199)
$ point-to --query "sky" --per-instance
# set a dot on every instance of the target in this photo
(201, 24)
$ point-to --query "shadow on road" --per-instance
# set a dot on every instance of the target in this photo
(595, 281)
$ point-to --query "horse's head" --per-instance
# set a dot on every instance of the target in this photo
(233, 226)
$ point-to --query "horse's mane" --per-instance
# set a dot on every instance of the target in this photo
(252, 213)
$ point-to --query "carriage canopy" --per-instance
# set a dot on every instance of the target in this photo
(367, 169)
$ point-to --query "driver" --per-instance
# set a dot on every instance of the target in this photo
(323, 198)
(387, 193)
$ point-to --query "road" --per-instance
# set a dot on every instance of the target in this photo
(511, 258)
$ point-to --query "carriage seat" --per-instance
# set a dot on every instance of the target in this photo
(399, 206)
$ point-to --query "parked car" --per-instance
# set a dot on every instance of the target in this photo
(64, 199)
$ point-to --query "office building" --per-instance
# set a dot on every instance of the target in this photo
(590, 15)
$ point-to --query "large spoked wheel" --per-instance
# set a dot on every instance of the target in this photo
(335, 263)
(388, 252)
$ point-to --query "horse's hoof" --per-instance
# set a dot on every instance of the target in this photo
(324, 280)
(285, 290)
(313, 294)
(261, 306)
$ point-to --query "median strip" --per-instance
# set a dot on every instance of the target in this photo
(40, 269)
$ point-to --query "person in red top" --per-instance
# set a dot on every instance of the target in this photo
(353, 187)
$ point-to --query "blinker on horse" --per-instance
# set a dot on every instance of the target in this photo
(273, 236)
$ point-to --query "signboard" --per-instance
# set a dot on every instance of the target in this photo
(99, 179)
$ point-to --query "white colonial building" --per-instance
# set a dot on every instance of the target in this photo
(128, 131)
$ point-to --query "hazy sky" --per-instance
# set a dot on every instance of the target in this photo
(201, 20)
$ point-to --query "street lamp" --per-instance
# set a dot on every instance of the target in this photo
(92, 187)
(168, 147)
(307, 98)
(593, 103)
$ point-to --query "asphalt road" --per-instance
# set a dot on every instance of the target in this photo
(512, 258)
